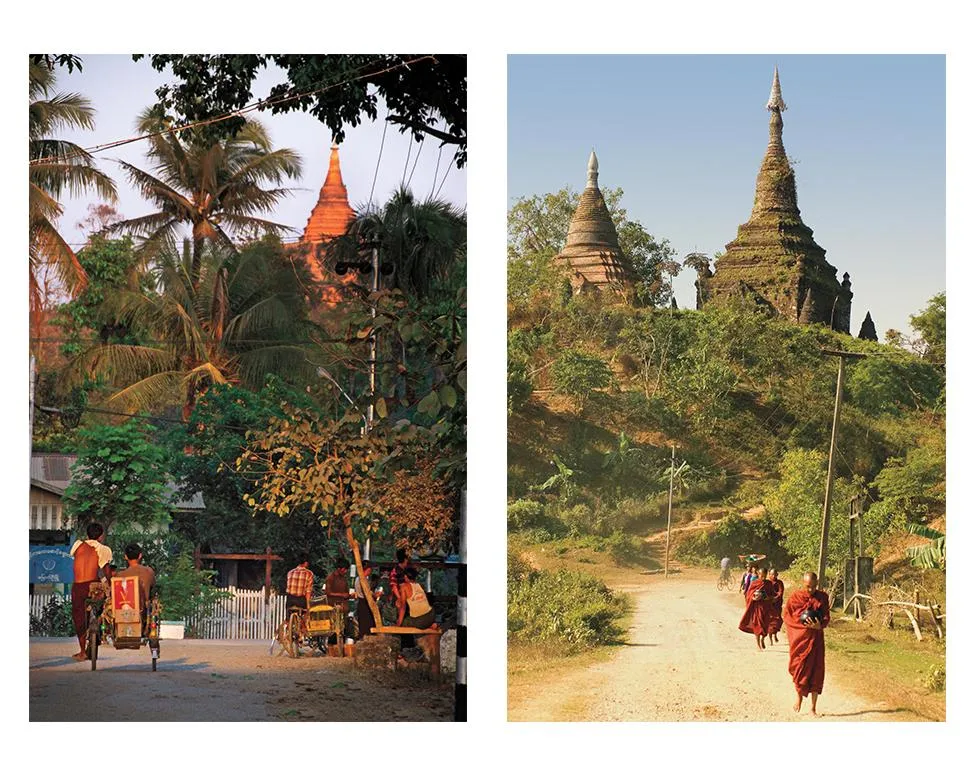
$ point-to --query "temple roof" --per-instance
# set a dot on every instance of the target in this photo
(591, 248)
(332, 212)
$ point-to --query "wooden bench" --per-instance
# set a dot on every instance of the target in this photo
(431, 645)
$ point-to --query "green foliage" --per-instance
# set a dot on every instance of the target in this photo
(537, 229)
(734, 536)
(893, 386)
(118, 479)
(416, 93)
(936, 678)
(930, 324)
(55, 620)
(578, 374)
(185, 591)
(573, 609)
(930, 556)
(110, 266)
(914, 486)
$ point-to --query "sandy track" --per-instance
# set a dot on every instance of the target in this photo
(686, 660)
(201, 680)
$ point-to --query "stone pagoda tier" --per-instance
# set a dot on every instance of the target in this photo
(328, 219)
(591, 254)
(774, 258)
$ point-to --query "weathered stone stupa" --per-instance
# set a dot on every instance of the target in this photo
(592, 255)
(328, 219)
(774, 258)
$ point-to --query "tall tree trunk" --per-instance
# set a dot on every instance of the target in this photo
(364, 584)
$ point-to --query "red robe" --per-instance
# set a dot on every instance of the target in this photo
(806, 645)
(776, 610)
(756, 618)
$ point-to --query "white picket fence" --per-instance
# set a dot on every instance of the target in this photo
(37, 602)
(246, 614)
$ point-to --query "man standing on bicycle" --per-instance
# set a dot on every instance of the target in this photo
(299, 584)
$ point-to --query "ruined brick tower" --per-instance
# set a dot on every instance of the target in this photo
(774, 258)
(592, 255)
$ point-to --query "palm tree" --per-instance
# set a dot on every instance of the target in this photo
(423, 241)
(213, 187)
(57, 166)
(240, 319)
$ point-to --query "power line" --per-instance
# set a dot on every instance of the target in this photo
(378, 159)
(258, 105)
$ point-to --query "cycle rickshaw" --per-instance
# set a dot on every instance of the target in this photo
(311, 628)
(114, 616)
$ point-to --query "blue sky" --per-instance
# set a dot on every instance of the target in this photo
(684, 137)
(119, 89)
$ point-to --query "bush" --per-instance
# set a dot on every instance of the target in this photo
(565, 607)
(525, 514)
(185, 591)
(935, 680)
(578, 374)
(55, 619)
(733, 536)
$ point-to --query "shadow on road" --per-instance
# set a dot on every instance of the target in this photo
(877, 711)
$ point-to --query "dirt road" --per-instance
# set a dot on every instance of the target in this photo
(686, 660)
(210, 680)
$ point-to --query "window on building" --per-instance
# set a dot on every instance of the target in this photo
(43, 517)
(33, 517)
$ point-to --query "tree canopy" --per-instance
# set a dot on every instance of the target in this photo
(338, 90)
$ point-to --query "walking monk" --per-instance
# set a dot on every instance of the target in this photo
(805, 615)
(759, 600)
(776, 610)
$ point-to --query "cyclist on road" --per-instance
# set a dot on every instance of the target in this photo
(724, 568)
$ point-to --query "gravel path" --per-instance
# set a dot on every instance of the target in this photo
(686, 660)
(206, 680)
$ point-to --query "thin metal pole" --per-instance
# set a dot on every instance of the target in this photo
(374, 288)
(672, 473)
(460, 686)
(33, 384)
(828, 494)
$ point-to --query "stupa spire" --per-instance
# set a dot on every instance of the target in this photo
(592, 181)
(331, 214)
(776, 97)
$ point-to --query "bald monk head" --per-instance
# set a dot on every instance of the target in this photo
(810, 580)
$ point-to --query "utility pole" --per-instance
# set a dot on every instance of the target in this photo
(33, 385)
(374, 287)
(829, 492)
(672, 474)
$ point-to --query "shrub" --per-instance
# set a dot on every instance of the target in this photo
(578, 374)
(185, 591)
(935, 680)
(55, 619)
(566, 607)
(525, 514)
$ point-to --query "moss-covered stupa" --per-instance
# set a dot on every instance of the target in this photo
(774, 258)
(592, 256)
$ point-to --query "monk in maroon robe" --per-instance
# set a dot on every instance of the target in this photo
(805, 615)
(759, 599)
(776, 610)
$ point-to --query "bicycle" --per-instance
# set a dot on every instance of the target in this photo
(725, 580)
(309, 628)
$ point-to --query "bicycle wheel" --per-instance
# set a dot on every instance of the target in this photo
(720, 584)
(295, 623)
(729, 583)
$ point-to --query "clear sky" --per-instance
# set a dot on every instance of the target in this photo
(684, 136)
(120, 89)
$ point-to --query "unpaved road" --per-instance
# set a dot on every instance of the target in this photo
(686, 660)
(210, 680)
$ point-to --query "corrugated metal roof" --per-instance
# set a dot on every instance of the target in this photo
(55, 470)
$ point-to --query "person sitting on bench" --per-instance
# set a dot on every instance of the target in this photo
(413, 608)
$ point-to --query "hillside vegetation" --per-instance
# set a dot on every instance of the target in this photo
(599, 391)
